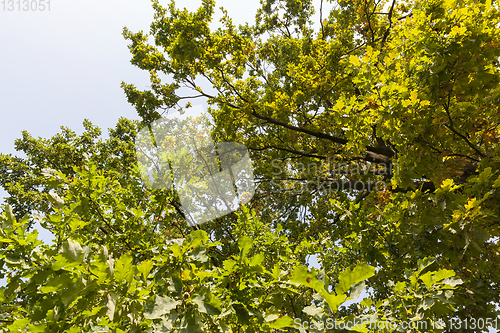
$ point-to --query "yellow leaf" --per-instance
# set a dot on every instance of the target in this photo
(354, 60)
(185, 275)
(369, 50)
(413, 97)
(470, 204)
(488, 5)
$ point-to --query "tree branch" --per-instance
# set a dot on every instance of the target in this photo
(389, 17)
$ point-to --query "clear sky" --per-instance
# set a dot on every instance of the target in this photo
(61, 66)
(65, 65)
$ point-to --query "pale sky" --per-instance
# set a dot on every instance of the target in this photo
(65, 65)
(61, 66)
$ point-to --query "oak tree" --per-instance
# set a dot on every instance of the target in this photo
(374, 136)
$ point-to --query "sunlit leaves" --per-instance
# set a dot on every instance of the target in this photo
(348, 277)
(124, 269)
(162, 306)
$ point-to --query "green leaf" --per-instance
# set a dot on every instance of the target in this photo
(72, 255)
(354, 60)
(37, 328)
(19, 325)
(230, 265)
(241, 313)
(162, 306)
(428, 303)
(111, 305)
(199, 254)
(301, 275)
(424, 263)
(244, 244)
(76, 223)
(123, 269)
(56, 283)
(98, 328)
(62, 261)
(443, 274)
(348, 278)
(427, 278)
(73, 251)
(284, 321)
(431, 278)
(145, 267)
(197, 238)
(333, 301)
(313, 310)
(496, 184)
(73, 291)
(206, 307)
(257, 259)
(11, 218)
(177, 250)
(191, 323)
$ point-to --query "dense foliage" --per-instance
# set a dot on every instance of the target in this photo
(375, 144)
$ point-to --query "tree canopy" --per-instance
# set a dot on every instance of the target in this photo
(375, 146)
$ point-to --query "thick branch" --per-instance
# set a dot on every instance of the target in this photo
(373, 154)
(332, 184)
(296, 152)
(389, 17)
